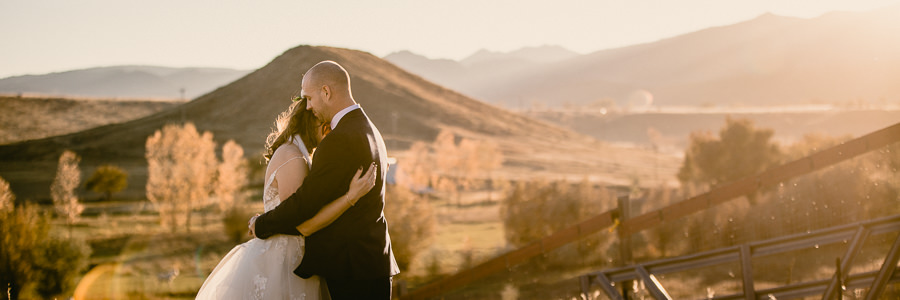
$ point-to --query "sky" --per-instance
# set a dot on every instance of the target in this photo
(42, 36)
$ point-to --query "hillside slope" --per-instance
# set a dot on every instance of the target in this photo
(28, 118)
(404, 106)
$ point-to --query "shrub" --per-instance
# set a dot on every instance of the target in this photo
(7, 199)
(107, 180)
(410, 222)
(235, 221)
(533, 210)
(33, 261)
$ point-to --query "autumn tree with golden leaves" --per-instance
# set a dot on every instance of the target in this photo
(181, 170)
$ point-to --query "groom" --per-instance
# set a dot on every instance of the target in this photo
(353, 254)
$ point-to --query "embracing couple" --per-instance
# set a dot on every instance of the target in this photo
(323, 234)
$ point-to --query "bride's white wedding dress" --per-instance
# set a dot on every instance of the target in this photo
(263, 269)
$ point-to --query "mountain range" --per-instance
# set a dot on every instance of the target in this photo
(129, 82)
(405, 107)
(839, 57)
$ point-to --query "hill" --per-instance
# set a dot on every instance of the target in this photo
(672, 129)
(28, 118)
(136, 82)
(836, 58)
(404, 106)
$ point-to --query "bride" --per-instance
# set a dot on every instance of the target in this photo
(262, 269)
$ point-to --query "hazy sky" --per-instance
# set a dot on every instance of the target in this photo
(39, 36)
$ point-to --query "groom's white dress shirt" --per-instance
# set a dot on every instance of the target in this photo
(341, 114)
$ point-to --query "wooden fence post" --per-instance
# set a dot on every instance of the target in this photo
(625, 259)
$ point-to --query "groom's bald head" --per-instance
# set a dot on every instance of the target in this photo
(331, 74)
(327, 88)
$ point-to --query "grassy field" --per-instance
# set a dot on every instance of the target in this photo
(135, 258)
(132, 254)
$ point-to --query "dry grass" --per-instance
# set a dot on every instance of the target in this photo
(131, 251)
(29, 118)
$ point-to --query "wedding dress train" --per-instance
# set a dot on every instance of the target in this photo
(263, 269)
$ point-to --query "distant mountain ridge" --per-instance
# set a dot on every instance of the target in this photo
(405, 108)
(133, 82)
(479, 67)
(836, 58)
(540, 54)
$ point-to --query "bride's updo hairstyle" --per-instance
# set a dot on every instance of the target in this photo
(295, 120)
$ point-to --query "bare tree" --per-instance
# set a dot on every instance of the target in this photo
(181, 167)
(202, 171)
(68, 177)
(164, 186)
(232, 175)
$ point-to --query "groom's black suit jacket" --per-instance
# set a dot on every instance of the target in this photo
(357, 244)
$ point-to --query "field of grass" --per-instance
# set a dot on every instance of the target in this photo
(133, 256)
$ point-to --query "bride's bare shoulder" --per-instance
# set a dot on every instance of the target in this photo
(287, 149)
(284, 153)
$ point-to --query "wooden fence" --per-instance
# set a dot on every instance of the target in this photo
(714, 197)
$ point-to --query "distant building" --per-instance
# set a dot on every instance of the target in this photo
(392, 171)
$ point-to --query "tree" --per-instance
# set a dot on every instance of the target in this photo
(7, 199)
(533, 210)
(446, 162)
(468, 165)
(464, 166)
(68, 177)
(106, 180)
(411, 224)
(812, 143)
(416, 168)
(490, 159)
(232, 175)
(181, 167)
(665, 235)
(740, 150)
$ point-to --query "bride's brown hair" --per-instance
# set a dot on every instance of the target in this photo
(295, 120)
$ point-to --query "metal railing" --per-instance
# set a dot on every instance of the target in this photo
(854, 234)
(628, 226)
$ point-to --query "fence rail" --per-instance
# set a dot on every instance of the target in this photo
(716, 196)
(854, 234)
